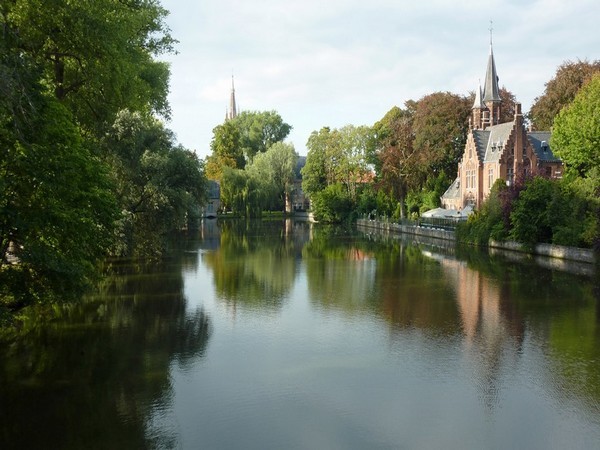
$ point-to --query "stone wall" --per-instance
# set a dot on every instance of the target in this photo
(580, 255)
(407, 229)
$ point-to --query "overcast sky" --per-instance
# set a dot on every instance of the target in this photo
(337, 62)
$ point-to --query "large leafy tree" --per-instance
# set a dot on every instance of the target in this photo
(259, 130)
(243, 193)
(337, 156)
(159, 185)
(560, 91)
(97, 55)
(226, 151)
(57, 209)
(79, 89)
(400, 167)
(275, 169)
(576, 133)
(316, 172)
(440, 122)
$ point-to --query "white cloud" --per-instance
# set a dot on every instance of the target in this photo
(349, 61)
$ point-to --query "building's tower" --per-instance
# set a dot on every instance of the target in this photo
(478, 109)
(491, 92)
(232, 112)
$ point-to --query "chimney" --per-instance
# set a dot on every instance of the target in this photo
(518, 109)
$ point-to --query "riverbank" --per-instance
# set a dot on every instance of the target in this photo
(556, 252)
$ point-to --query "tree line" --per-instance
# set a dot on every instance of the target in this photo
(253, 165)
(88, 169)
(400, 166)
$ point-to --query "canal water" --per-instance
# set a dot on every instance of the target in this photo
(285, 335)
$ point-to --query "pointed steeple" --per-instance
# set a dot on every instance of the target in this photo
(232, 114)
(491, 92)
(478, 109)
(478, 103)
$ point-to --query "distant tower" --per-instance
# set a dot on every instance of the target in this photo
(232, 112)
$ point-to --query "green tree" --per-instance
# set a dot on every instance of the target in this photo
(576, 134)
(159, 185)
(400, 166)
(97, 56)
(351, 168)
(226, 151)
(259, 131)
(333, 204)
(244, 194)
(560, 91)
(316, 172)
(67, 69)
(337, 156)
(440, 124)
(529, 219)
(275, 168)
(57, 210)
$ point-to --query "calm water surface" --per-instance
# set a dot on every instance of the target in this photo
(285, 336)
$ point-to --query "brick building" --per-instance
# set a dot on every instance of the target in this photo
(497, 150)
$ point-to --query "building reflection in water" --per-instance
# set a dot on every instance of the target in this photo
(493, 331)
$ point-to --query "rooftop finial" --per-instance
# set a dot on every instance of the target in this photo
(491, 31)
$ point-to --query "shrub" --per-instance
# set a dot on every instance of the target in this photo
(332, 205)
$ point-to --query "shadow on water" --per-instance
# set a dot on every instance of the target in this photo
(95, 374)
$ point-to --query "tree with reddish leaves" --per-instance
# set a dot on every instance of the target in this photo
(560, 91)
(400, 168)
(440, 124)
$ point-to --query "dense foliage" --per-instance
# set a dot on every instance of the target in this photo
(576, 134)
(266, 184)
(236, 142)
(538, 210)
(407, 159)
(86, 168)
(336, 170)
(560, 91)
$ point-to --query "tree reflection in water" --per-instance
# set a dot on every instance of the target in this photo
(100, 370)
(255, 264)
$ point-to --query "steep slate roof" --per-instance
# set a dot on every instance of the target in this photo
(491, 92)
(481, 139)
(499, 135)
(543, 152)
(454, 190)
(478, 103)
(490, 143)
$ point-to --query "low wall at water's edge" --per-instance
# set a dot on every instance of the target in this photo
(407, 229)
(554, 251)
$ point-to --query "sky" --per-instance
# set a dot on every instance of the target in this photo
(337, 62)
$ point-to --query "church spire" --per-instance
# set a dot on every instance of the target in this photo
(232, 113)
(491, 92)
